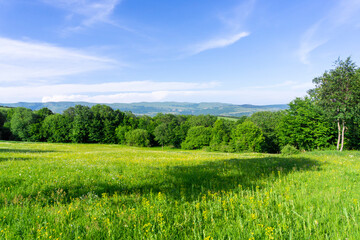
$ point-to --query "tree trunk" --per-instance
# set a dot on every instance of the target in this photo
(339, 134)
(342, 136)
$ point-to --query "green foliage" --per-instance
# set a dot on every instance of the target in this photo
(43, 113)
(81, 125)
(138, 138)
(56, 128)
(197, 138)
(21, 123)
(103, 124)
(171, 129)
(352, 134)
(269, 122)
(338, 93)
(241, 120)
(163, 134)
(6, 120)
(247, 137)
(202, 120)
(2, 121)
(305, 127)
(220, 134)
(289, 150)
(130, 120)
(120, 134)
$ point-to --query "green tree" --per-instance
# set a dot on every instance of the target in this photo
(43, 113)
(138, 137)
(36, 133)
(202, 120)
(120, 132)
(147, 123)
(241, 119)
(82, 117)
(197, 137)
(103, 124)
(56, 128)
(305, 126)
(171, 129)
(21, 121)
(163, 134)
(247, 137)
(220, 134)
(269, 122)
(2, 121)
(338, 92)
(6, 128)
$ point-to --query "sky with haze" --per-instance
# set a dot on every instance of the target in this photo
(230, 51)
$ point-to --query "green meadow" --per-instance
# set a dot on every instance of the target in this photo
(93, 191)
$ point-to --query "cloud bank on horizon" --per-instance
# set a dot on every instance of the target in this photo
(238, 51)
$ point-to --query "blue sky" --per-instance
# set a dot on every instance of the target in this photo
(232, 51)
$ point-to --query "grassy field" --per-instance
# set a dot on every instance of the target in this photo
(80, 191)
(234, 119)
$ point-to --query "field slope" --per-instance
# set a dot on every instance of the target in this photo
(83, 191)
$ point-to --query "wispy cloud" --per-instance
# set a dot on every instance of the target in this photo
(344, 12)
(113, 91)
(235, 18)
(150, 91)
(217, 43)
(309, 43)
(233, 24)
(240, 96)
(21, 61)
(91, 11)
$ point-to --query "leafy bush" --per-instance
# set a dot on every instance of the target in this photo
(227, 148)
(21, 123)
(289, 150)
(138, 137)
(120, 132)
(197, 138)
(247, 137)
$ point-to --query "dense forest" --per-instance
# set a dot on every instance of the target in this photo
(327, 118)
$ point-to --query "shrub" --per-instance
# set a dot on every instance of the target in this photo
(289, 150)
(227, 148)
(247, 137)
(120, 132)
(197, 138)
(138, 137)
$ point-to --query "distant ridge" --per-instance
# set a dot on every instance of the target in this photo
(152, 108)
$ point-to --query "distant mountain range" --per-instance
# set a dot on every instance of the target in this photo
(152, 108)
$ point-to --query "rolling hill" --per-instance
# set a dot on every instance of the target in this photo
(152, 108)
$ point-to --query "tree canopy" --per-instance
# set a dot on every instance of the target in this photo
(338, 93)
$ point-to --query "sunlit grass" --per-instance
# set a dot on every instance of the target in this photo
(83, 191)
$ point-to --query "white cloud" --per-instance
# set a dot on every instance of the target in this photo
(22, 61)
(70, 92)
(243, 96)
(149, 91)
(233, 22)
(155, 96)
(91, 11)
(218, 43)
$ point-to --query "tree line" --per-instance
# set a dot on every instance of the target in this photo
(327, 117)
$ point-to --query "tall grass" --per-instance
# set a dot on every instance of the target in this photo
(83, 191)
